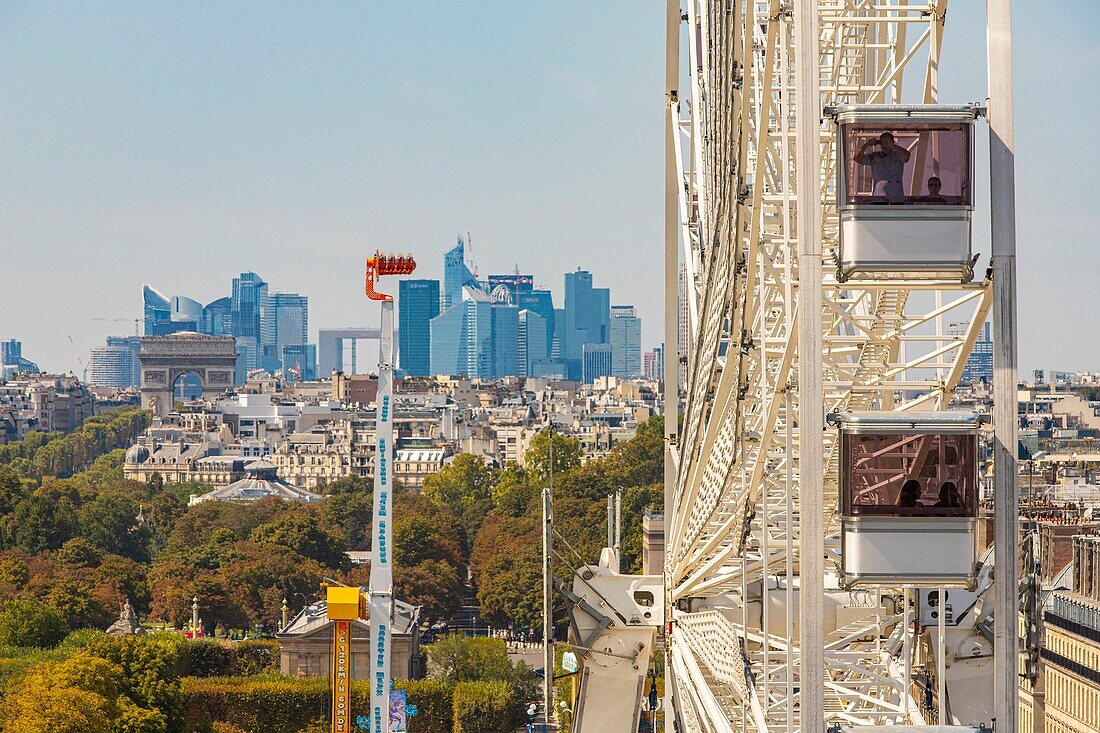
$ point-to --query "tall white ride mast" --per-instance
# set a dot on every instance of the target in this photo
(381, 568)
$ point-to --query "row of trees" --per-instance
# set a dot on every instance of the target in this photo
(98, 505)
(56, 454)
(162, 683)
(85, 542)
(93, 683)
(241, 561)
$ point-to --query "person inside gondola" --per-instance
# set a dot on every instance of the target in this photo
(949, 496)
(887, 166)
(909, 495)
(934, 187)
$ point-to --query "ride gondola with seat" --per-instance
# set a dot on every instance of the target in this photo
(905, 190)
(908, 498)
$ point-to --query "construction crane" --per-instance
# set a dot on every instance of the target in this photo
(470, 261)
(812, 286)
(136, 321)
(83, 366)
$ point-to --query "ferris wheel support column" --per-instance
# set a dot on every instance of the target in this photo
(671, 353)
(811, 412)
(1006, 489)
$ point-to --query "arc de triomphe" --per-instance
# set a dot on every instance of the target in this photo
(213, 359)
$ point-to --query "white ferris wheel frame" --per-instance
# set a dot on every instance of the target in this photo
(738, 470)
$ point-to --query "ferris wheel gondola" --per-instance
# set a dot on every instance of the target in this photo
(909, 498)
(905, 190)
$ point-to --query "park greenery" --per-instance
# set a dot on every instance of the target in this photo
(77, 540)
(505, 556)
(165, 683)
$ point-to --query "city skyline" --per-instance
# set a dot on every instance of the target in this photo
(129, 138)
(272, 331)
(208, 318)
(502, 325)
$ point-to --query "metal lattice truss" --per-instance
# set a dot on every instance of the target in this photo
(715, 672)
(893, 344)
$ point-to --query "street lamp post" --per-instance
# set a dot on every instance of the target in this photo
(547, 589)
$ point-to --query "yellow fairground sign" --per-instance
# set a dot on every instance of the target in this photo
(344, 606)
(341, 677)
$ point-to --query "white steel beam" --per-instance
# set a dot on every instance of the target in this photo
(1003, 230)
(811, 411)
(673, 183)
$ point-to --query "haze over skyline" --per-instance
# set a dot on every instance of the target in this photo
(180, 145)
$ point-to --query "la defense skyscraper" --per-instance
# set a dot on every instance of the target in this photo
(456, 275)
(417, 305)
(117, 363)
(587, 319)
(284, 328)
(270, 329)
(476, 332)
(626, 342)
(505, 326)
(248, 291)
(476, 337)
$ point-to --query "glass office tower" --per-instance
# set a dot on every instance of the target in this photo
(626, 342)
(456, 275)
(248, 292)
(476, 338)
(417, 305)
(587, 318)
(284, 321)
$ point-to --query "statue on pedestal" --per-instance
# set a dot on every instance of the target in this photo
(127, 623)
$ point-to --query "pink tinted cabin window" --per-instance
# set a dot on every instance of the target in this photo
(936, 151)
(909, 475)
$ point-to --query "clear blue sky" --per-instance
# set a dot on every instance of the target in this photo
(181, 143)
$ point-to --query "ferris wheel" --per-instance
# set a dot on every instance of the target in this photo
(822, 488)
